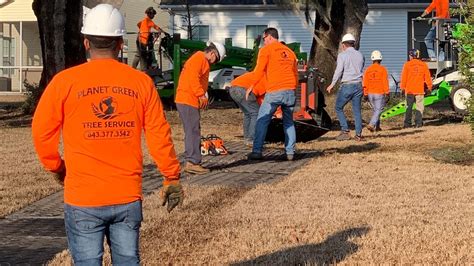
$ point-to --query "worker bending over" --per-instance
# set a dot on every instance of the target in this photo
(101, 109)
(250, 104)
(191, 96)
(277, 63)
(375, 84)
(415, 79)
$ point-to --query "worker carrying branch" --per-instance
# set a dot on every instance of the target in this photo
(191, 96)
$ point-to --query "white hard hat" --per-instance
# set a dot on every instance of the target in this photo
(103, 20)
(220, 49)
(348, 38)
(376, 55)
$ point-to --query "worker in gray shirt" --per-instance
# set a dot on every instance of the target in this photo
(349, 70)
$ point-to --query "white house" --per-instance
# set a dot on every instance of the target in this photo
(387, 26)
(19, 39)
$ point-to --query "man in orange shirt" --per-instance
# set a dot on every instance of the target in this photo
(248, 104)
(145, 40)
(375, 84)
(277, 63)
(191, 96)
(102, 107)
(415, 78)
(442, 12)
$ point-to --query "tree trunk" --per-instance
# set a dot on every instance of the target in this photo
(59, 23)
(334, 18)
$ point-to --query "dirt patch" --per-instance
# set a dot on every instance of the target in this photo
(463, 155)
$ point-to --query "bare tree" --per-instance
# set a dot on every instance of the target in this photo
(59, 24)
(188, 20)
(333, 19)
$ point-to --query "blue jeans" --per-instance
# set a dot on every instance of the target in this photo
(87, 226)
(250, 109)
(286, 99)
(378, 102)
(430, 44)
(351, 92)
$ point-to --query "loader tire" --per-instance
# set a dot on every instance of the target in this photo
(460, 96)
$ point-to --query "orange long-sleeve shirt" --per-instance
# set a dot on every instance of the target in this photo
(193, 80)
(441, 7)
(415, 75)
(102, 107)
(247, 80)
(145, 26)
(278, 63)
(375, 80)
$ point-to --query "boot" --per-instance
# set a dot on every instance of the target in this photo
(196, 169)
(371, 128)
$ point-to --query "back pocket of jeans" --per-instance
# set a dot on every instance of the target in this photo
(85, 221)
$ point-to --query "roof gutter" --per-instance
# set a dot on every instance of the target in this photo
(221, 7)
(276, 7)
(401, 5)
(397, 5)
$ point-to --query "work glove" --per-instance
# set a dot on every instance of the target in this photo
(387, 98)
(172, 195)
(203, 102)
(60, 173)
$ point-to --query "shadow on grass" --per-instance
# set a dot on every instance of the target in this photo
(444, 119)
(333, 250)
(14, 118)
(400, 134)
(454, 154)
(366, 147)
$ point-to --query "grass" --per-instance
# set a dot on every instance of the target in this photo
(386, 200)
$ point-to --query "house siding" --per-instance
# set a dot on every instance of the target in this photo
(19, 10)
(386, 30)
(225, 24)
